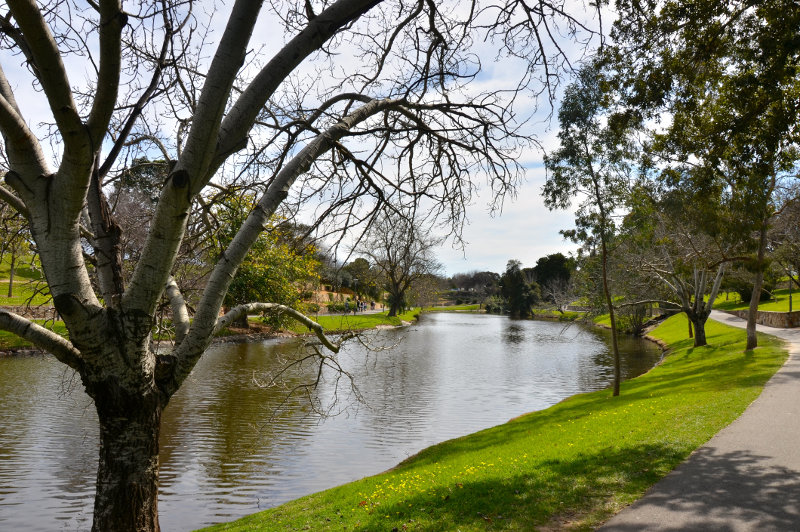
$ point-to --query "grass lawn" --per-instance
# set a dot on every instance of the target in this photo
(779, 303)
(346, 322)
(572, 465)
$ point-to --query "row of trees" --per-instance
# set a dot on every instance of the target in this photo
(518, 289)
(681, 139)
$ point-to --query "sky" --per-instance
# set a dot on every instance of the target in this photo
(525, 230)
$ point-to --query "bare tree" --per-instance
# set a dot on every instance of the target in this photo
(366, 104)
(403, 253)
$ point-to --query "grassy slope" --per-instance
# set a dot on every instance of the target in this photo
(572, 465)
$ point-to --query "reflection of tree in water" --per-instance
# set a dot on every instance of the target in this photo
(637, 354)
(241, 423)
(392, 383)
(513, 333)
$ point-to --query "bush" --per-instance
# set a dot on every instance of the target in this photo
(494, 305)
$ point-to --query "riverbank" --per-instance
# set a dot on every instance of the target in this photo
(12, 345)
(572, 465)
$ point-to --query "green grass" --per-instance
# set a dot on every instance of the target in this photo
(574, 464)
(24, 294)
(347, 322)
(779, 303)
(554, 314)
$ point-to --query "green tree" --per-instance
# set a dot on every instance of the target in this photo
(592, 161)
(519, 290)
(272, 272)
(726, 75)
(363, 278)
(669, 241)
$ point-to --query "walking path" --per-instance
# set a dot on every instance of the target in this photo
(747, 477)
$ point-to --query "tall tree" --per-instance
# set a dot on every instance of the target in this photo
(726, 74)
(389, 116)
(592, 161)
(519, 289)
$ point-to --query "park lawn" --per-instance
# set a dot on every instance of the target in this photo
(779, 303)
(24, 294)
(572, 465)
(333, 323)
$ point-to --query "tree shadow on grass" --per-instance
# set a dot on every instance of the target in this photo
(731, 373)
(718, 492)
(584, 483)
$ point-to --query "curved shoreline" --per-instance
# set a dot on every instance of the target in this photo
(660, 418)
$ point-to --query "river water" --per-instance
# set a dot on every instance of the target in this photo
(231, 444)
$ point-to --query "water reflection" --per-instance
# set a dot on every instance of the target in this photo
(231, 446)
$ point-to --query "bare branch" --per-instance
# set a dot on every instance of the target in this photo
(180, 315)
(60, 347)
(247, 308)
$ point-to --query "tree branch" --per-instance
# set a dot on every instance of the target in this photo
(112, 20)
(180, 315)
(199, 334)
(247, 308)
(60, 347)
(49, 69)
(242, 116)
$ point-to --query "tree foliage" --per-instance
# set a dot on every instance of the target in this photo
(726, 75)
(273, 270)
(519, 290)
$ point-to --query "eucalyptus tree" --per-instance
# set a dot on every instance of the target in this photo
(592, 162)
(519, 290)
(724, 78)
(364, 103)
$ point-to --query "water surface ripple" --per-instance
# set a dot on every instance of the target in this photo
(231, 446)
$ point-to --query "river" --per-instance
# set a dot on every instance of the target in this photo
(231, 444)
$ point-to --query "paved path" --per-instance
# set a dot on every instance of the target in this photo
(746, 478)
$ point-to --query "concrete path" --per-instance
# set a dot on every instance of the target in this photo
(746, 478)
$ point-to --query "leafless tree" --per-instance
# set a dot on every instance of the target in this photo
(403, 253)
(367, 105)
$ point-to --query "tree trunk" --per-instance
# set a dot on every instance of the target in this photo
(11, 272)
(241, 322)
(127, 474)
(691, 333)
(758, 282)
(699, 324)
(394, 308)
(614, 346)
